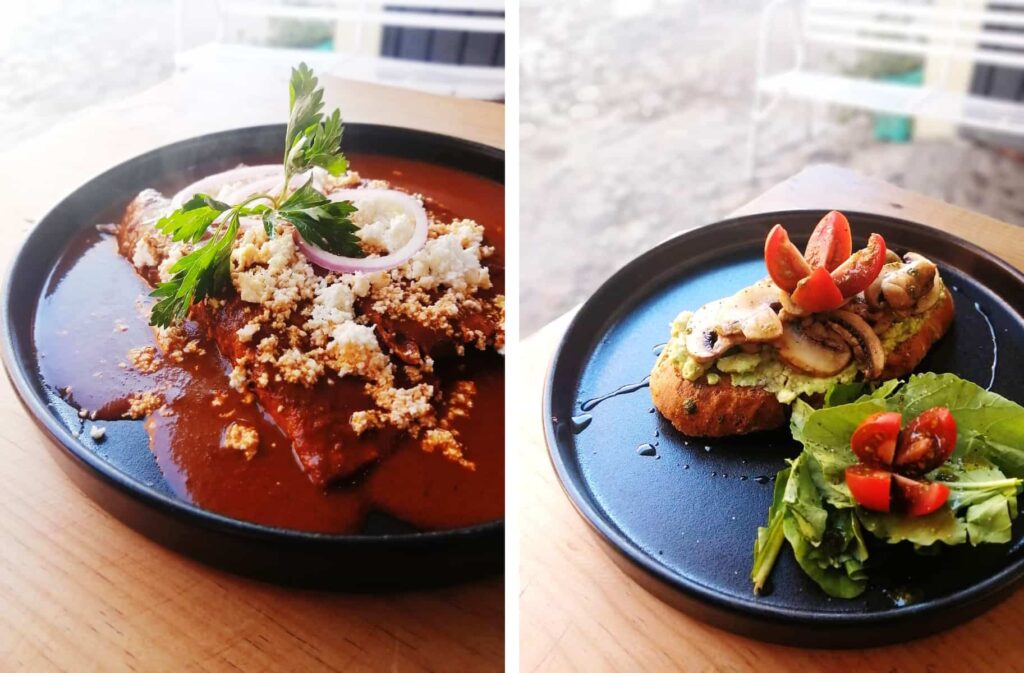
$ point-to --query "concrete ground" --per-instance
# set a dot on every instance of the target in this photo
(58, 56)
(634, 126)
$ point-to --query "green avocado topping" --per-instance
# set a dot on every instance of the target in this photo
(764, 369)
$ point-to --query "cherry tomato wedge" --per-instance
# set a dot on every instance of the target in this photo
(921, 498)
(817, 292)
(870, 487)
(874, 440)
(785, 264)
(860, 270)
(927, 442)
(831, 242)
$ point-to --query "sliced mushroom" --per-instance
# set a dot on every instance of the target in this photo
(800, 349)
(903, 287)
(858, 306)
(866, 346)
(930, 299)
(749, 306)
(762, 324)
(747, 315)
(873, 295)
(703, 340)
(789, 308)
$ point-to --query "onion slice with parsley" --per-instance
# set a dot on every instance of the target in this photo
(272, 184)
(236, 177)
(389, 200)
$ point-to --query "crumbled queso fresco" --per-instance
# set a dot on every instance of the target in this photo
(304, 327)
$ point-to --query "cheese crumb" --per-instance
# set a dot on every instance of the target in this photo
(146, 252)
(144, 359)
(452, 259)
(242, 438)
(97, 432)
(245, 334)
(142, 404)
(382, 225)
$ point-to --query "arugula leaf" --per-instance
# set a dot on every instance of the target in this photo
(989, 521)
(770, 538)
(827, 543)
(939, 526)
(984, 417)
(833, 426)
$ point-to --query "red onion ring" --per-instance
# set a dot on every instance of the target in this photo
(212, 184)
(272, 185)
(342, 264)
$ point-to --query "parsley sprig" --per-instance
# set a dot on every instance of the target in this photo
(311, 140)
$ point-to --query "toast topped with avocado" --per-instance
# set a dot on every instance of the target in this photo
(828, 315)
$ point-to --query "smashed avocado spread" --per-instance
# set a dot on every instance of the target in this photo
(761, 369)
(901, 330)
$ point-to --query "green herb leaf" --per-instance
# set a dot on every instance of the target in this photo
(310, 140)
(322, 222)
(195, 276)
(323, 147)
(305, 101)
(190, 221)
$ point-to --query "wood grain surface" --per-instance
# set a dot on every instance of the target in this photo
(579, 612)
(81, 592)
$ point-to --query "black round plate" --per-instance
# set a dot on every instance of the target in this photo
(682, 522)
(127, 482)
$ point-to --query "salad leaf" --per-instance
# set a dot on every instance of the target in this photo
(828, 470)
(923, 531)
(854, 391)
(989, 521)
(827, 544)
(833, 426)
(991, 423)
(770, 538)
(822, 522)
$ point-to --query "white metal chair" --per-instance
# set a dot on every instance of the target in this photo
(467, 81)
(900, 27)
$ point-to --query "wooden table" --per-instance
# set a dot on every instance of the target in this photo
(579, 611)
(81, 592)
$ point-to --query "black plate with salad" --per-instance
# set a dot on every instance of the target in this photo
(682, 513)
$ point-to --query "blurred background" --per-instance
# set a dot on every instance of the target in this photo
(638, 115)
(61, 57)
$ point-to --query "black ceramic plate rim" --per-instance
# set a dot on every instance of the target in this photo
(56, 431)
(621, 544)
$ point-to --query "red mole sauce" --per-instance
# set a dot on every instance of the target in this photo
(91, 325)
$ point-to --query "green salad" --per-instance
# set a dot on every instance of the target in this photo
(814, 511)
